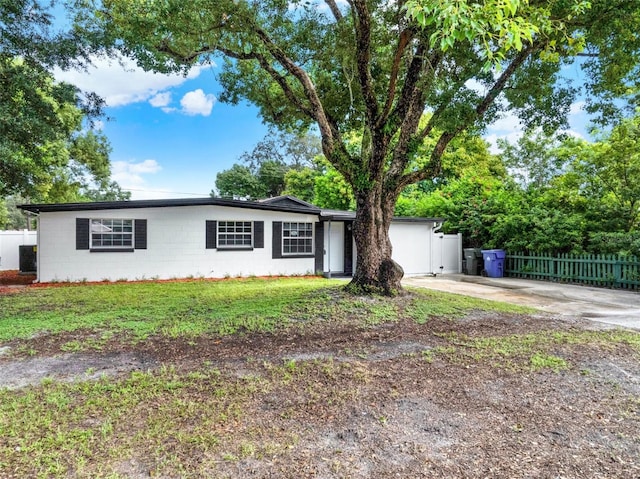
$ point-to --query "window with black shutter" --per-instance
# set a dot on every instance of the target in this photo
(112, 235)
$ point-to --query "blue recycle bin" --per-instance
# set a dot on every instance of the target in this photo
(494, 262)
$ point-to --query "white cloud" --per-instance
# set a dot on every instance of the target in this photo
(146, 166)
(130, 175)
(577, 108)
(160, 99)
(507, 128)
(123, 82)
(476, 86)
(197, 103)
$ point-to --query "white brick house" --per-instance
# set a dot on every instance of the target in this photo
(215, 238)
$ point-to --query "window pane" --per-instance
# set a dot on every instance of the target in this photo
(297, 238)
(235, 234)
(111, 233)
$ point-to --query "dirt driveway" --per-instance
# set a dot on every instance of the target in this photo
(613, 307)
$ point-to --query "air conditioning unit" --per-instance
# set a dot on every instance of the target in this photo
(28, 259)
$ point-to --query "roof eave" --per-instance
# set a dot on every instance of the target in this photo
(116, 205)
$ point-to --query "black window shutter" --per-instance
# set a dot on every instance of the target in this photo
(140, 234)
(277, 240)
(82, 233)
(319, 256)
(211, 240)
(258, 234)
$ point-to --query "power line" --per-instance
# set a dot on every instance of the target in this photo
(166, 192)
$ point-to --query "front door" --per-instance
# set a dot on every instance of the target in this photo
(334, 247)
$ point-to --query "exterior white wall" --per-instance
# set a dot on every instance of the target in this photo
(420, 251)
(447, 253)
(412, 247)
(175, 246)
(10, 242)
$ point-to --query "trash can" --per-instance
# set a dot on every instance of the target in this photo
(472, 261)
(494, 262)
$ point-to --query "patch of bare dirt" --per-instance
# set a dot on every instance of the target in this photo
(70, 367)
(385, 410)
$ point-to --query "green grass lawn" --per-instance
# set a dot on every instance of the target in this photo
(204, 420)
(193, 308)
(172, 308)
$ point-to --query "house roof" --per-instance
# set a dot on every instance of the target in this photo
(117, 205)
(287, 200)
(339, 215)
(279, 203)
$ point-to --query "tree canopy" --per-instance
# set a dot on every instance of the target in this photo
(48, 151)
(374, 67)
(586, 201)
(266, 166)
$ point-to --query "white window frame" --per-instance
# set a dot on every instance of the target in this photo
(241, 235)
(108, 228)
(309, 227)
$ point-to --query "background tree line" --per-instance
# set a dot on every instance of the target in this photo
(557, 194)
(547, 193)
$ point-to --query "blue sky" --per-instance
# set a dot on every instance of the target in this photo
(170, 136)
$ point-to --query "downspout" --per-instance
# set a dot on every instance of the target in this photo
(37, 215)
(435, 229)
(329, 250)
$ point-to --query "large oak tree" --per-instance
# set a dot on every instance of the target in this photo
(375, 67)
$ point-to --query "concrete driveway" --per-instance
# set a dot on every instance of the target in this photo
(615, 307)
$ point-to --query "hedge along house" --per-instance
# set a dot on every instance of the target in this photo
(216, 238)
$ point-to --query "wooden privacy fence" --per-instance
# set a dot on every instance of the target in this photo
(597, 270)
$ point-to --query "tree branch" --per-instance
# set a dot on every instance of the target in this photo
(273, 73)
(403, 42)
(328, 128)
(414, 73)
(433, 167)
(286, 88)
(501, 82)
(333, 6)
(362, 22)
(411, 108)
(428, 128)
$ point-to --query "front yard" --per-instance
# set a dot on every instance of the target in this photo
(290, 378)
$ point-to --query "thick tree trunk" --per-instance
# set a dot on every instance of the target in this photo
(375, 271)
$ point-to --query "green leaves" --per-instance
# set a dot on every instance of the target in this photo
(495, 26)
(44, 152)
